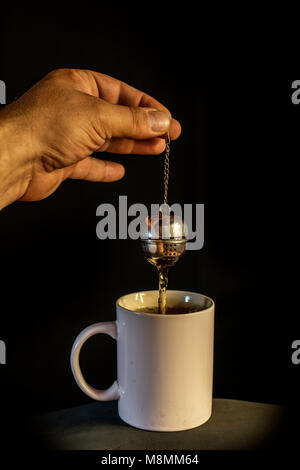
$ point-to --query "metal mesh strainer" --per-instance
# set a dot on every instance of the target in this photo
(165, 241)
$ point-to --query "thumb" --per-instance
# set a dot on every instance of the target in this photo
(131, 122)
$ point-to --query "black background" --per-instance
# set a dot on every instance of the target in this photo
(237, 154)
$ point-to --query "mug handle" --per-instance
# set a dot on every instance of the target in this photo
(109, 328)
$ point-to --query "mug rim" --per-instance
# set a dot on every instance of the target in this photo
(176, 315)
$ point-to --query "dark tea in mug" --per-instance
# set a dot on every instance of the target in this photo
(180, 310)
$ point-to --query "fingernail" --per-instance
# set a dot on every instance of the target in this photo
(159, 121)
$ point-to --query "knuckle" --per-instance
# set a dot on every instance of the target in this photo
(134, 119)
(105, 171)
(64, 73)
(57, 73)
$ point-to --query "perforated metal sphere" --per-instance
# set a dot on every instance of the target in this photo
(165, 227)
(164, 241)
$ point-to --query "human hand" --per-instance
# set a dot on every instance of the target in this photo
(49, 133)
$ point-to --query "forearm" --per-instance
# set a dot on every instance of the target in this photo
(16, 157)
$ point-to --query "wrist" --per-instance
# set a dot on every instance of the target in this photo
(16, 157)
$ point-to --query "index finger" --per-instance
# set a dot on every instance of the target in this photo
(117, 92)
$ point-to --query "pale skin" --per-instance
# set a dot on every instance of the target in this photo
(50, 132)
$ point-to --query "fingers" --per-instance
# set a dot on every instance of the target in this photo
(153, 146)
(107, 88)
(91, 169)
(116, 110)
(115, 91)
(118, 121)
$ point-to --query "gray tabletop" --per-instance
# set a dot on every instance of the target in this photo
(234, 425)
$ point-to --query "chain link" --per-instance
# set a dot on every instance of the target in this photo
(166, 169)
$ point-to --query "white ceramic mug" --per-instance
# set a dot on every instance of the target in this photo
(165, 362)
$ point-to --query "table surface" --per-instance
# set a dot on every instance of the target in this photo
(234, 425)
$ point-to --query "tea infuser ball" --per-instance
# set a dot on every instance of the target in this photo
(164, 235)
(164, 239)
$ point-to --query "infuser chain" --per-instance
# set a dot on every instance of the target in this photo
(166, 168)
